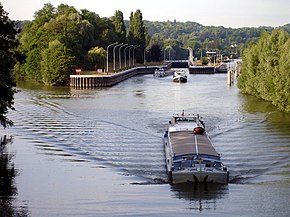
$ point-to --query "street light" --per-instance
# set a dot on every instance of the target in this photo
(132, 46)
(200, 53)
(108, 55)
(134, 53)
(125, 54)
(144, 57)
(120, 59)
(114, 55)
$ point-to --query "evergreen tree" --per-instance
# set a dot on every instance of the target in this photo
(137, 34)
(7, 60)
(119, 24)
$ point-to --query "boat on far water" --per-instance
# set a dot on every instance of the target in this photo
(161, 72)
(180, 76)
(190, 155)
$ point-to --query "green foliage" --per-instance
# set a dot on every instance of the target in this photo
(56, 64)
(197, 36)
(154, 53)
(265, 70)
(7, 60)
(120, 28)
(204, 61)
(66, 32)
(97, 57)
(136, 34)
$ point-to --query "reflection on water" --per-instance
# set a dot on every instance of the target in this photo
(8, 189)
(200, 196)
(261, 141)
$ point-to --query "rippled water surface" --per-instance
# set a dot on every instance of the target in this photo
(99, 152)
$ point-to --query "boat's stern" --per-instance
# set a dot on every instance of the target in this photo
(200, 175)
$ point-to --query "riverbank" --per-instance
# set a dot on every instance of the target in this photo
(110, 79)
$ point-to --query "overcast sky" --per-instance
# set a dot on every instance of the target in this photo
(227, 13)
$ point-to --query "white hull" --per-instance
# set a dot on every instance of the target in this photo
(180, 76)
(163, 73)
(180, 79)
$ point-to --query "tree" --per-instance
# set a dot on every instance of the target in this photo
(119, 24)
(7, 60)
(265, 69)
(97, 57)
(155, 52)
(136, 35)
(56, 64)
(33, 39)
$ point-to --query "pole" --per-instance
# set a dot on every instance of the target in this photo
(134, 53)
(130, 55)
(114, 55)
(108, 55)
(125, 54)
(120, 59)
(144, 56)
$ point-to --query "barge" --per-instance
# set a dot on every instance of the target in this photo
(190, 155)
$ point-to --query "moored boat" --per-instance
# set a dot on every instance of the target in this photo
(180, 76)
(190, 155)
(223, 68)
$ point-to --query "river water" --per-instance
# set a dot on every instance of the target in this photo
(99, 152)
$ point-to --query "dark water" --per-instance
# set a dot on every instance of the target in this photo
(99, 152)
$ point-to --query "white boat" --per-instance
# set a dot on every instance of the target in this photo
(180, 76)
(161, 72)
(190, 155)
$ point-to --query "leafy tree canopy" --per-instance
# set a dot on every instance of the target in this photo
(7, 60)
(265, 71)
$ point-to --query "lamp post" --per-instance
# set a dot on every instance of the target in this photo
(120, 59)
(114, 55)
(132, 46)
(125, 54)
(200, 53)
(108, 55)
(134, 53)
(144, 57)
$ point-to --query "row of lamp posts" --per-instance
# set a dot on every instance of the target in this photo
(120, 46)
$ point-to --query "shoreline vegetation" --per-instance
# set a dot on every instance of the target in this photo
(60, 39)
(266, 69)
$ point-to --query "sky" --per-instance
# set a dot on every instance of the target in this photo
(227, 13)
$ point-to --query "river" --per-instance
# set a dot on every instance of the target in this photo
(99, 152)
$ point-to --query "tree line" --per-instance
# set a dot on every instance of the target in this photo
(178, 36)
(49, 48)
(62, 38)
(266, 69)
